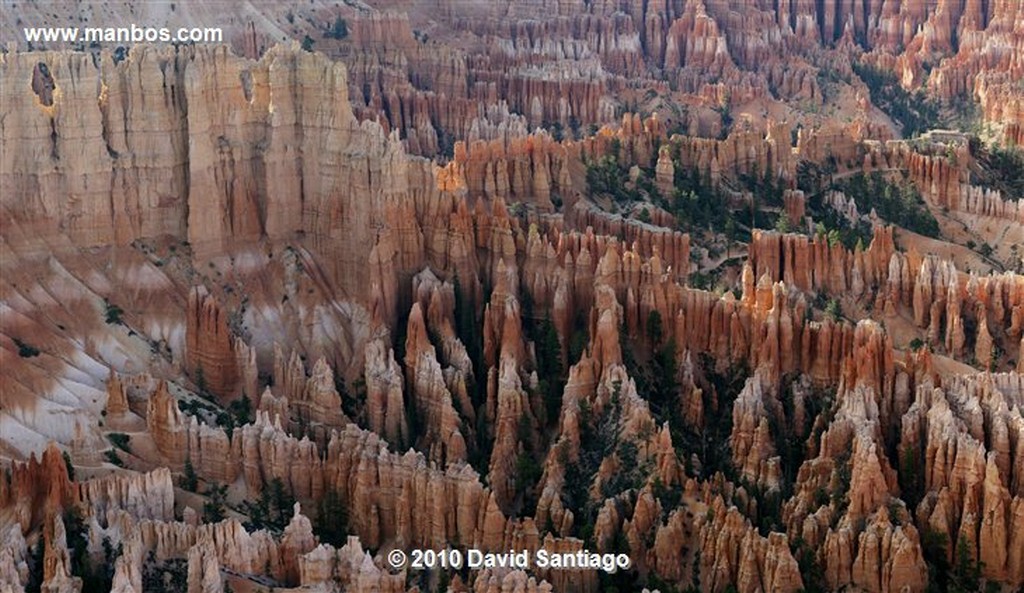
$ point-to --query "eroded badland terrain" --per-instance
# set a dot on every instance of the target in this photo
(733, 287)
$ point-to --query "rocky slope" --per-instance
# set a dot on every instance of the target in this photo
(567, 276)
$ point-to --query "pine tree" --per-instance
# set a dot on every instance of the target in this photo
(213, 509)
(69, 466)
(189, 481)
(332, 519)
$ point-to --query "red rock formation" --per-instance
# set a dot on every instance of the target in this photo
(248, 155)
(530, 169)
(313, 402)
(815, 265)
(751, 441)
(733, 553)
(203, 569)
(117, 398)
(210, 182)
(937, 177)
(179, 438)
(988, 202)
(944, 178)
(745, 151)
(938, 296)
(209, 349)
(963, 432)
(38, 488)
(263, 451)
(694, 40)
(56, 559)
(888, 557)
(385, 407)
(672, 248)
(795, 206)
(297, 540)
(144, 496)
(13, 565)
(349, 566)
(442, 435)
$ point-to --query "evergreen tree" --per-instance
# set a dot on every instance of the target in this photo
(549, 368)
(242, 410)
(339, 30)
(655, 329)
(35, 567)
(213, 509)
(189, 480)
(332, 519)
(68, 465)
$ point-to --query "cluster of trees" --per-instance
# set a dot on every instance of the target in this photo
(34, 560)
(718, 395)
(897, 202)
(214, 507)
(445, 144)
(608, 176)
(838, 229)
(189, 479)
(331, 522)
(766, 187)
(599, 438)
(467, 328)
(528, 473)
(558, 131)
(695, 203)
(338, 30)
(914, 112)
(238, 413)
(120, 440)
(963, 575)
(551, 379)
(111, 456)
(551, 373)
(656, 375)
(272, 510)
(160, 577)
(813, 178)
(353, 401)
(95, 576)
(811, 571)
(1004, 169)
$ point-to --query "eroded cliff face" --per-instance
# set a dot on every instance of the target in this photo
(226, 271)
(488, 75)
(437, 72)
(198, 144)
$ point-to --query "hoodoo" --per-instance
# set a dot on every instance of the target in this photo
(524, 296)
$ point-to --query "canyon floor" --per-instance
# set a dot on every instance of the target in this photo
(734, 288)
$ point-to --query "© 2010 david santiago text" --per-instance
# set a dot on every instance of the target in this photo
(426, 559)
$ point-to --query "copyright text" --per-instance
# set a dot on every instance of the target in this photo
(425, 559)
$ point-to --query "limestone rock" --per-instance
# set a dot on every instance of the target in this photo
(56, 559)
(384, 400)
(203, 570)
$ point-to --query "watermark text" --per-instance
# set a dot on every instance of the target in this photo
(130, 34)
